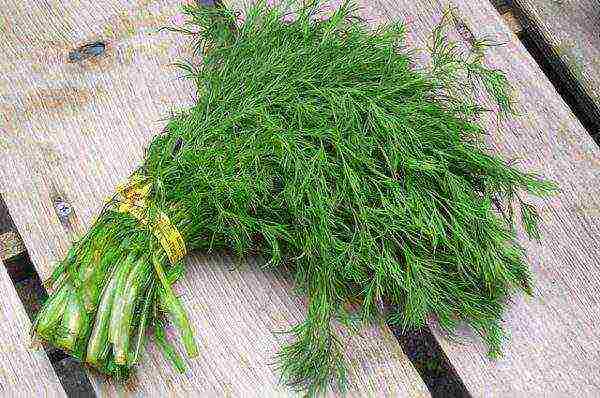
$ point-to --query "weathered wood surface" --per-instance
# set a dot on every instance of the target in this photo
(572, 30)
(71, 131)
(554, 348)
(24, 371)
(11, 245)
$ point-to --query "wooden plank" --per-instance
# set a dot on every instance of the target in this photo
(554, 348)
(72, 131)
(571, 30)
(24, 371)
(11, 245)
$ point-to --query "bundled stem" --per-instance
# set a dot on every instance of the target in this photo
(316, 144)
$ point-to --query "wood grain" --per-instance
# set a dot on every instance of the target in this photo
(24, 371)
(74, 130)
(572, 30)
(554, 348)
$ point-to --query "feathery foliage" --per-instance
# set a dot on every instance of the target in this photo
(320, 146)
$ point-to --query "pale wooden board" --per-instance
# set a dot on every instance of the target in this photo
(24, 371)
(554, 348)
(76, 130)
(572, 29)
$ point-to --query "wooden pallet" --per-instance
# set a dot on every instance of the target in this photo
(77, 129)
(72, 131)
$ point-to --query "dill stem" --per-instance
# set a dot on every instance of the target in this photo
(175, 309)
(117, 304)
(72, 323)
(136, 280)
(168, 350)
(52, 312)
(97, 348)
(141, 330)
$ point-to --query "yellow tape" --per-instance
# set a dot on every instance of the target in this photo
(134, 194)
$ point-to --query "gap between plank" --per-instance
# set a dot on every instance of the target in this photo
(430, 361)
(559, 74)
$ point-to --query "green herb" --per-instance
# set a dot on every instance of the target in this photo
(319, 146)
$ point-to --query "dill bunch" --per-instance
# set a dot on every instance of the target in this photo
(319, 146)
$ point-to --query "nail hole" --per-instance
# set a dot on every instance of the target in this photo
(63, 209)
(87, 51)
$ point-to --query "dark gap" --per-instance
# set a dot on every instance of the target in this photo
(561, 77)
(56, 355)
(30, 290)
(6, 223)
(430, 361)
